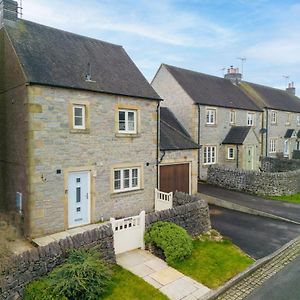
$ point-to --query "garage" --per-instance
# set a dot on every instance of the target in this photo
(175, 177)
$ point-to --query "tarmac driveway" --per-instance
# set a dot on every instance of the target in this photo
(283, 209)
(257, 236)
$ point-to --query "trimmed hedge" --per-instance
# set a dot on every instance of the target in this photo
(174, 241)
(83, 276)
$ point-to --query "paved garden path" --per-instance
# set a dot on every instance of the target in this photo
(156, 272)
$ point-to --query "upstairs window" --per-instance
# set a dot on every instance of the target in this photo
(127, 121)
(288, 119)
(210, 116)
(232, 117)
(126, 179)
(298, 120)
(79, 112)
(250, 119)
(273, 117)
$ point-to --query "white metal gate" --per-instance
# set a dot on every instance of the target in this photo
(163, 200)
(128, 233)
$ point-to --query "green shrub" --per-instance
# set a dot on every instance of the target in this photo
(172, 239)
(83, 276)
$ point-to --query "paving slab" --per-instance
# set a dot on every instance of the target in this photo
(174, 284)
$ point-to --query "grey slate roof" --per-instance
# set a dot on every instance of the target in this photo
(54, 57)
(272, 98)
(236, 135)
(289, 133)
(211, 90)
(173, 136)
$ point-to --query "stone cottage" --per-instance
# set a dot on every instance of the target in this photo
(213, 110)
(79, 127)
(178, 156)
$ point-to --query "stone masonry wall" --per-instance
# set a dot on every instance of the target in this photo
(255, 182)
(37, 262)
(269, 164)
(193, 216)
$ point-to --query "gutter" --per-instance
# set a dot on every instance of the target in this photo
(157, 142)
(199, 150)
(267, 130)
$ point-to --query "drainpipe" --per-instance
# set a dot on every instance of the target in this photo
(157, 141)
(237, 156)
(267, 130)
(199, 149)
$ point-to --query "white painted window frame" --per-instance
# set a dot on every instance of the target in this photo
(83, 109)
(130, 188)
(288, 119)
(250, 119)
(229, 154)
(127, 111)
(272, 145)
(286, 148)
(273, 117)
(208, 158)
(211, 115)
(298, 120)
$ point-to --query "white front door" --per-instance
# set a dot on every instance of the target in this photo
(286, 151)
(78, 198)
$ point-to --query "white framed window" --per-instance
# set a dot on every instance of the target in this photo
(127, 121)
(273, 117)
(210, 155)
(272, 146)
(211, 116)
(298, 120)
(232, 117)
(230, 153)
(286, 148)
(79, 116)
(288, 119)
(250, 118)
(126, 179)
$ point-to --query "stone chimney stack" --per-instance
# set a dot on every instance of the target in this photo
(8, 11)
(233, 75)
(291, 89)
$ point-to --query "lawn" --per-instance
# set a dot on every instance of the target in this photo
(288, 198)
(127, 286)
(214, 262)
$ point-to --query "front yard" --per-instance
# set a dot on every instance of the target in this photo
(214, 262)
(288, 198)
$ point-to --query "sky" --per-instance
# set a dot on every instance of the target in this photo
(202, 35)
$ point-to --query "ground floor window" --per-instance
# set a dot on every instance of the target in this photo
(272, 146)
(230, 153)
(286, 148)
(126, 179)
(210, 155)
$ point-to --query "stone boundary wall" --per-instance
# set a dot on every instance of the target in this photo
(193, 216)
(270, 164)
(255, 182)
(296, 154)
(37, 262)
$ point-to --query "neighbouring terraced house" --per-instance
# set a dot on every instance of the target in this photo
(217, 114)
(79, 128)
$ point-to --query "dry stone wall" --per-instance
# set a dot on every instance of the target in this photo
(37, 262)
(269, 164)
(193, 216)
(255, 182)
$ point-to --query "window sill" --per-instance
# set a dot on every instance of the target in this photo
(210, 125)
(127, 135)
(121, 193)
(207, 165)
(83, 131)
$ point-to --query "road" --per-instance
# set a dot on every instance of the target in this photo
(282, 286)
(257, 236)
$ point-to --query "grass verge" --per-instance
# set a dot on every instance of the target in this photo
(214, 262)
(127, 286)
(287, 198)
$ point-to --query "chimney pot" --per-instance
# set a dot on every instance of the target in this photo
(291, 89)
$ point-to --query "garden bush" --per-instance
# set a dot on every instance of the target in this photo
(83, 276)
(172, 239)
